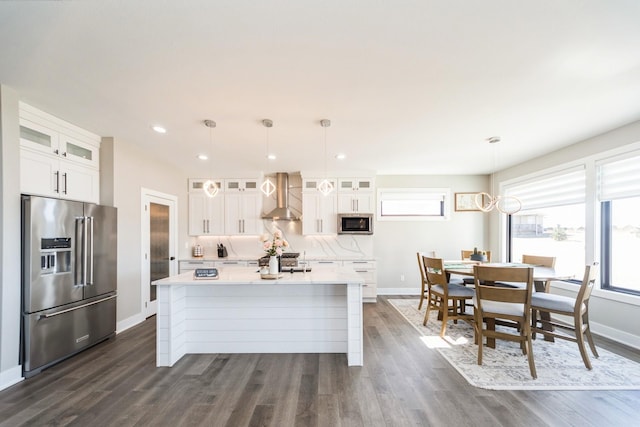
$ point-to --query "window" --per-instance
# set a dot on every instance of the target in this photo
(552, 219)
(401, 204)
(619, 197)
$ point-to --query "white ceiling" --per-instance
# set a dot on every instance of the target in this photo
(409, 86)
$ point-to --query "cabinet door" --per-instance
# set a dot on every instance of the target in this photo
(192, 265)
(355, 203)
(39, 174)
(355, 184)
(248, 185)
(215, 215)
(79, 182)
(251, 221)
(38, 137)
(206, 215)
(318, 214)
(242, 214)
(197, 214)
(79, 151)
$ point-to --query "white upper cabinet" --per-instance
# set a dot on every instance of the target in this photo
(242, 185)
(318, 211)
(355, 184)
(57, 159)
(206, 214)
(319, 214)
(356, 195)
(242, 213)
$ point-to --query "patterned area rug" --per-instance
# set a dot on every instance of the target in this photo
(558, 364)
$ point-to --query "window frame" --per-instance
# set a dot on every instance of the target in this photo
(593, 237)
(386, 194)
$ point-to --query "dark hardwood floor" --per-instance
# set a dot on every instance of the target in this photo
(116, 383)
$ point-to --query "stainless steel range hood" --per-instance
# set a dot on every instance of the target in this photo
(282, 211)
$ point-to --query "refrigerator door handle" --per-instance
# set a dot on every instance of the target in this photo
(78, 270)
(85, 242)
(46, 316)
(90, 254)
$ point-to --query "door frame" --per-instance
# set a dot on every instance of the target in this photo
(148, 196)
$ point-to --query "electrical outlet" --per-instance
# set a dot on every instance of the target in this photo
(402, 277)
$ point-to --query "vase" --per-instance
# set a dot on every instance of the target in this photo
(273, 265)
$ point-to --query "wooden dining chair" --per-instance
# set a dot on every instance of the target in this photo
(448, 298)
(512, 304)
(464, 255)
(577, 308)
(424, 288)
(543, 261)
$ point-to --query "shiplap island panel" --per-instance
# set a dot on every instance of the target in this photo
(312, 312)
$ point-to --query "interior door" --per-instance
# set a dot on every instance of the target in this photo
(159, 245)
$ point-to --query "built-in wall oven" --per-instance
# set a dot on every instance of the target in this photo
(355, 223)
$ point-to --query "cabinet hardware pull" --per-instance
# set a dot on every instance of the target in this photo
(64, 176)
(57, 189)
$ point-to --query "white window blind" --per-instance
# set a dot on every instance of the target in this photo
(405, 204)
(565, 187)
(619, 177)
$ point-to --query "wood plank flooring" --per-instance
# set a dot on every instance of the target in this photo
(116, 383)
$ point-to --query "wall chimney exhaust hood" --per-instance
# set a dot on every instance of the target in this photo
(282, 211)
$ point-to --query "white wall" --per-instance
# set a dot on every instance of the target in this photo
(10, 370)
(133, 170)
(396, 242)
(611, 314)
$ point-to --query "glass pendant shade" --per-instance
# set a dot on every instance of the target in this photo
(504, 204)
(210, 188)
(325, 187)
(267, 187)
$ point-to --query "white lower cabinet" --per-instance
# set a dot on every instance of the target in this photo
(191, 265)
(367, 270)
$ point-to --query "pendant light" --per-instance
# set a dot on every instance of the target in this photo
(504, 204)
(267, 187)
(210, 187)
(325, 187)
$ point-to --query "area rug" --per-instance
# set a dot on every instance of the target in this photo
(558, 364)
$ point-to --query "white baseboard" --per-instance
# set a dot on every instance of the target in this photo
(622, 337)
(129, 323)
(10, 377)
(399, 291)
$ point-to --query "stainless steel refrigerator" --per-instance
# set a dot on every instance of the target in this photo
(68, 279)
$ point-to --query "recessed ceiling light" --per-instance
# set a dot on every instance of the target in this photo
(271, 157)
(341, 156)
(159, 129)
(203, 156)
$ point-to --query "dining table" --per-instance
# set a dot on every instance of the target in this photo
(542, 276)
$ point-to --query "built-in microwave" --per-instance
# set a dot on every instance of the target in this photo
(355, 223)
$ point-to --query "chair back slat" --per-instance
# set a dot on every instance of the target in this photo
(465, 254)
(542, 261)
(434, 268)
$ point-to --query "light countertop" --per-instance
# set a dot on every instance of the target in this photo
(249, 276)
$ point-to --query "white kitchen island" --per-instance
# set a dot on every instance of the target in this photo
(313, 312)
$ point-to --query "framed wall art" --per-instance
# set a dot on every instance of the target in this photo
(465, 202)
